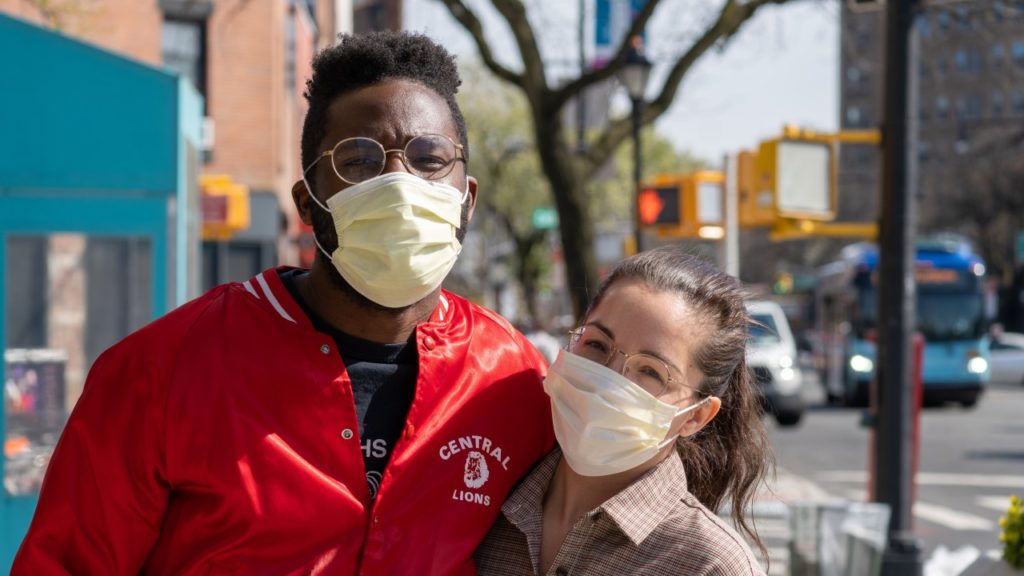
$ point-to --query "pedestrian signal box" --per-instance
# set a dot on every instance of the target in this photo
(798, 172)
(659, 206)
(682, 205)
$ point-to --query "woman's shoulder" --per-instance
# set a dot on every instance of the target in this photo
(694, 530)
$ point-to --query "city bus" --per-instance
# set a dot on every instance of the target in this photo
(950, 316)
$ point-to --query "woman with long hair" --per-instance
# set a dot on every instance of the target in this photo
(658, 424)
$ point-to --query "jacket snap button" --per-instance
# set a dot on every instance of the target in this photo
(346, 433)
(429, 343)
(325, 349)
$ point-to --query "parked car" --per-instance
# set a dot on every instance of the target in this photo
(772, 356)
(1006, 359)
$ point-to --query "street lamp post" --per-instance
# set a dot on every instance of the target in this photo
(634, 76)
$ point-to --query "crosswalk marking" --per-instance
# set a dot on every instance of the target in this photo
(997, 503)
(943, 516)
(952, 518)
(931, 479)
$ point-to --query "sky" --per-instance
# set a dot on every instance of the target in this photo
(781, 68)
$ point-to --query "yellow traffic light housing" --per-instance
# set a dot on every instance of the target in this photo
(756, 198)
(682, 205)
(799, 171)
(225, 206)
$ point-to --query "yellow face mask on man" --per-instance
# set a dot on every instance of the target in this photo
(396, 236)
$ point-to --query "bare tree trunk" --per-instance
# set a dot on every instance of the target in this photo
(576, 228)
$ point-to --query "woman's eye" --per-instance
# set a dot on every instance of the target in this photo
(596, 345)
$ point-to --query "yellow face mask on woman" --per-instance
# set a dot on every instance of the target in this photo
(604, 423)
(396, 236)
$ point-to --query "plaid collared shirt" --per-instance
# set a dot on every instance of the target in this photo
(653, 527)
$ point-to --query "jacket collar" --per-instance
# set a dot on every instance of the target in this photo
(271, 292)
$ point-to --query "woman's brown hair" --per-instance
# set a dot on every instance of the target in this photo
(730, 456)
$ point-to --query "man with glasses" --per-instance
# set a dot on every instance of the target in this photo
(353, 418)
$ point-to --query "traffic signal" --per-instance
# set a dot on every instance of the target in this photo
(659, 206)
(756, 201)
(798, 170)
(224, 204)
(682, 205)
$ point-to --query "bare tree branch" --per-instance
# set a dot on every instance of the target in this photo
(732, 16)
(533, 64)
(570, 90)
(472, 24)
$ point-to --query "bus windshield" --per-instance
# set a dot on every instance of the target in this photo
(941, 316)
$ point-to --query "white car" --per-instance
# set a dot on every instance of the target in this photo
(1006, 360)
(772, 357)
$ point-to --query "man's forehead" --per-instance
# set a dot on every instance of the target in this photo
(393, 108)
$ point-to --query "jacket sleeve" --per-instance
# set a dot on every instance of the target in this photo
(104, 494)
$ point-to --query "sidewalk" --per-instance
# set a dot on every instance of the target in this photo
(770, 514)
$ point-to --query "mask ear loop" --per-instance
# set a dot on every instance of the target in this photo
(668, 441)
(312, 196)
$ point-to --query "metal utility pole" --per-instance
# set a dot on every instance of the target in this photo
(896, 303)
(638, 171)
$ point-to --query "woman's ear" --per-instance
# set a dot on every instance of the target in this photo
(692, 422)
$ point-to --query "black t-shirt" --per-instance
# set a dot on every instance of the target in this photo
(383, 384)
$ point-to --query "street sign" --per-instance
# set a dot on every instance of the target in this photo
(1020, 247)
(545, 218)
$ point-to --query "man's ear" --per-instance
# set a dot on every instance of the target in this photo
(300, 195)
(693, 422)
(472, 184)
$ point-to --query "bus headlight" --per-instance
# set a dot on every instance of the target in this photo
(977, 365)
(861, 364)
(785, 362)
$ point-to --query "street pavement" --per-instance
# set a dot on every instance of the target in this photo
(970, 463)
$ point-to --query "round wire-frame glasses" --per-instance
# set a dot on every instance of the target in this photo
(357, 159)
(649, 372)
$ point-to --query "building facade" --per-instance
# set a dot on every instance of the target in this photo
(250, 62)
(969, 77)
(966, 127)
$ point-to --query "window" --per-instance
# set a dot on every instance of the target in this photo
(942, 107)
(854, 116)
(853, 75)
(940, 66)
(922, 112)
(1017, 52)
(924, 27)
(183, 46)
(997, 103)
(963, 19)
(923, 152)
(998, 11)
(998, 53)
(943, 18)
(1018, 101)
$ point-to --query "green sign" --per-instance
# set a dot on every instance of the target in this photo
(1020, 246)
(545, 218)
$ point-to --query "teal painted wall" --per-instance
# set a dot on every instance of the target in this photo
(75, 116)
(93, 143)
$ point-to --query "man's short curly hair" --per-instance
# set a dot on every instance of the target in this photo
(360, 60)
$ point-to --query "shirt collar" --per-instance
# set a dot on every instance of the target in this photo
(644, 504)
(637, 510)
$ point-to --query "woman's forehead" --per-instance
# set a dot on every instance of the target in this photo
(645, 317)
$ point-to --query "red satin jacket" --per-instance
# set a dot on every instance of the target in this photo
(222, 439)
